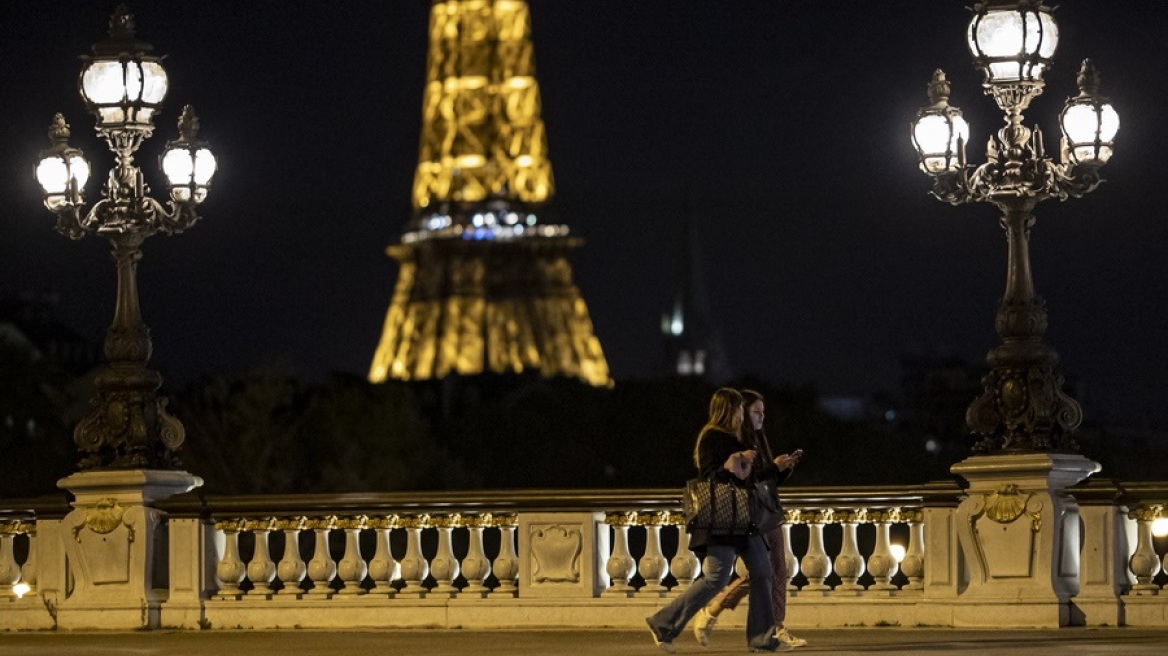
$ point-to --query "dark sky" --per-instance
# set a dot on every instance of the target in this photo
(825, 260)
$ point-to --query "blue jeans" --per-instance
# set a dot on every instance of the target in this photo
(670, 621)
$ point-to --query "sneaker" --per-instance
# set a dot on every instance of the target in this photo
(703, 627)
(663, 645)
(778, 646)
(784, 636)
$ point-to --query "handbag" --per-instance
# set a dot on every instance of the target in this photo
(719, 506)
(767, 514)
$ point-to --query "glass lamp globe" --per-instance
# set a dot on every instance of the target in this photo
(1012, 41)
(939, 132)
(187, 162)
(1089, 122)
(62, 170)
(122, 84)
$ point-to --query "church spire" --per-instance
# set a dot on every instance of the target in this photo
(692, 344)
(484, 283)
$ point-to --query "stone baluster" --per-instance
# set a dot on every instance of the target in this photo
(383, 569)
(816, 565)
(620, 566)
(881, 564)
(9, 568)
(506, 565)
(262, 569)
(476, 567)
(1144, 563)
(322, 569)
(414, 568)
(685, 565)
(444, 567)
(352, 568)
(29, 571)
(653, 566)
(849, 564)
(292, 569)
(792, 561)
(230, 569)
(913, 564)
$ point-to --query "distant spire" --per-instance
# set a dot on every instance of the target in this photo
(692, 344)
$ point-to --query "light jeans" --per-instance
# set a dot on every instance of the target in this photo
(733, 593)
(670, 621)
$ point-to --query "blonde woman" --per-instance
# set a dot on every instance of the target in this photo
(720, 453)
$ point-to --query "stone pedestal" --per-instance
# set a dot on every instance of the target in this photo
(562, 554)
(115, 541)
(1019, 534)
(1104, 578)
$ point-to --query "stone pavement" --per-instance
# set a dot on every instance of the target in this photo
(911, 642)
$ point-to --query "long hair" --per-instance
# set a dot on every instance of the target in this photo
(723, 405)
(756, 439)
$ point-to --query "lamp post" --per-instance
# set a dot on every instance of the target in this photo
(123, 85)
(1022, 407)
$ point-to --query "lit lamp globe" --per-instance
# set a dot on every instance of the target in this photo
(122, 84)
(187, 162)
(61, 170)
(939, 132)
(1089, 122)
(1012, 41)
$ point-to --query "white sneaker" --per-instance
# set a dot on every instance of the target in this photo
(664, 646)
(784, 637)
(703, 627)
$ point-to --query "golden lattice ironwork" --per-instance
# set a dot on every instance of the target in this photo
(484, 285)
(468, 307)
(482, 134)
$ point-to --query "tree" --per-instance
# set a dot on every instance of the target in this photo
(243, 433)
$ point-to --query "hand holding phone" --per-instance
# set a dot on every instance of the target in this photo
(788, 461)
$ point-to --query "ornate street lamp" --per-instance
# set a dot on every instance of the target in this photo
(123, 85)
(1022, 406)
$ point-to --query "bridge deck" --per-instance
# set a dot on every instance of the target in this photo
(913, 642)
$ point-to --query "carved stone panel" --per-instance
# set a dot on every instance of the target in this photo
(560, 554)
(555, 553)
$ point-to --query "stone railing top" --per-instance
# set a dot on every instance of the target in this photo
(505, 502)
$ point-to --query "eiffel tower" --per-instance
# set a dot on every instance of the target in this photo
(484, 284)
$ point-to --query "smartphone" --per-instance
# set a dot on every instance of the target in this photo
(797, 453)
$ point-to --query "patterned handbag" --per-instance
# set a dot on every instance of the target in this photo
(718, 506)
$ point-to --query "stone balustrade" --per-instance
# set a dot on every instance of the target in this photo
(857, 556)
(17, 579)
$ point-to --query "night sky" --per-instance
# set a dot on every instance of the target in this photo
(824, 258)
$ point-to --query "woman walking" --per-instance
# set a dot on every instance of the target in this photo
(720, 454)
(777, 470)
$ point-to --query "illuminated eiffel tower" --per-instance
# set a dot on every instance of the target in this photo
(484, 285)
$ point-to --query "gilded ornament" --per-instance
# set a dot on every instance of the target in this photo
(506, 520)
(235, 525)
(653, 519)
(385, 522)
(326, 523)
(263, 524)
(358, 523)
(1008, 504)
(291, 523)
(103, 519)
(17, 527)
(621, 519)
(1147, 513)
